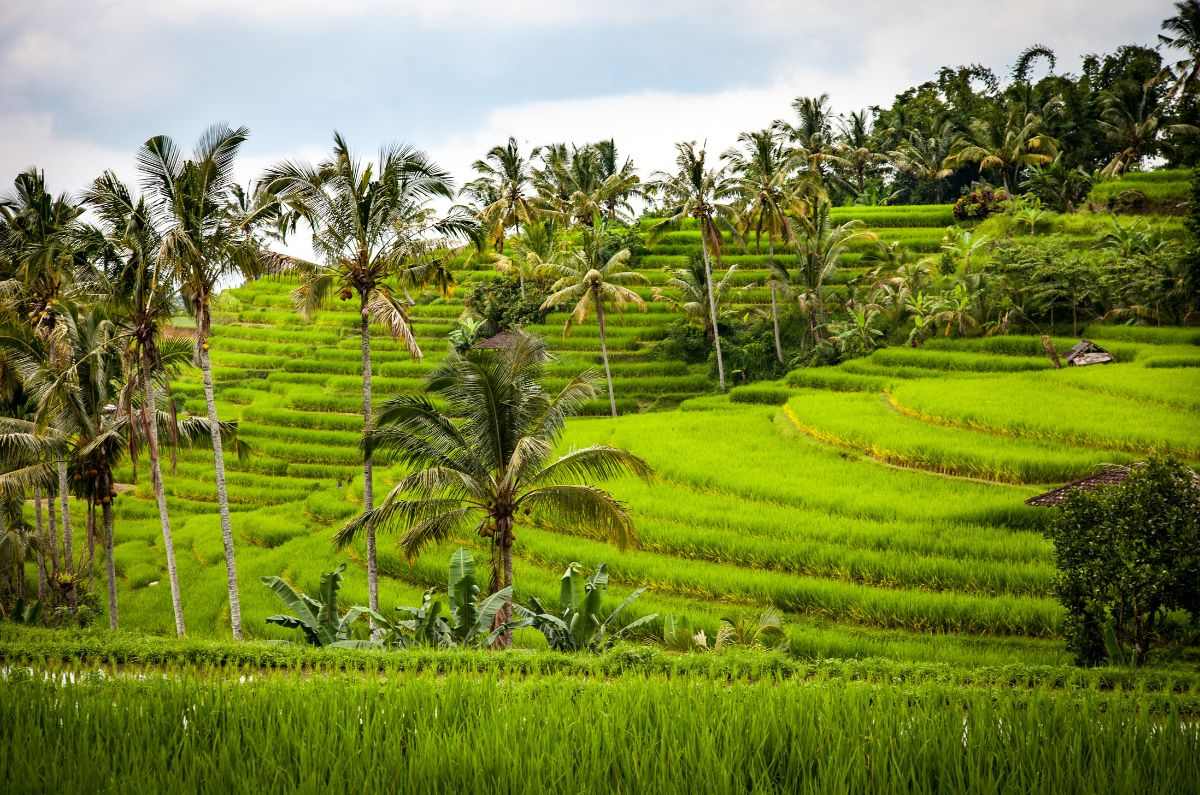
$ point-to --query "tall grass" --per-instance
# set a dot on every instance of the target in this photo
(475, 733)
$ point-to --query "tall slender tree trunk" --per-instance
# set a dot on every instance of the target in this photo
(91, 533)
(612, 401)
(65, 501)
(52, 531)
(368, 487)
(110, 564)
(150, 419)
(504, 542)
(712, 310)
(774, 307)
(41, 537)
(235, 603)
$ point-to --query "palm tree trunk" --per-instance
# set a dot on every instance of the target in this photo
(504, 542)
(41, 537)
(235, 603)
(91, 532)
(150, 419)
(52, 531)
(774, 308)
(712, 311)
(65, 499)
(368, 490)
(612, 401)
(110, 564)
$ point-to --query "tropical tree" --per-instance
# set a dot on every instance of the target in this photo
(923, 156)
(505, 182)
(856, 148)
(698, 192)
(142, 298)
(762, 168)
(1182, 32)
(204, 242)
(819, 247)
(590, 281)
(44, 264)
(371, 223)
(686, 289)
(812, 136)
(1134, 130)
(1006, 142)
(484, 459)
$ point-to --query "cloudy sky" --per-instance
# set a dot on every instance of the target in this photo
(84, 82)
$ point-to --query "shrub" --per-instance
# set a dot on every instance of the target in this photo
(980, 203)
(500, 305)
(1127, 555)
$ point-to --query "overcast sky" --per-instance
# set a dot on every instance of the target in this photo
(84, 82)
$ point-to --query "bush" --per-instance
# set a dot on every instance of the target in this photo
(979, 204)
(1127, 555)
(499, 303)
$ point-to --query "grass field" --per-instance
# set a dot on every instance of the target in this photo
(877, 505)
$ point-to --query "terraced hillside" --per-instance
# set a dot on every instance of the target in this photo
(829, 501)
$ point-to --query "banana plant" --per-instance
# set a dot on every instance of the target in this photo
(473, 622)
(581, 625)
(318, 619)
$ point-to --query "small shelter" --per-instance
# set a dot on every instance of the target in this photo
(1087, 352)
(501, 341)
(1109, 475)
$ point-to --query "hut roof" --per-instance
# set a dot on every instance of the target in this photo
(1086, 352)
(1109, 475)
(505, 339)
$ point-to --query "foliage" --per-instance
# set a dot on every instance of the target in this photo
(317, 618)
(980, 203)
(580, 624)
(1127, 555)
(500, 303)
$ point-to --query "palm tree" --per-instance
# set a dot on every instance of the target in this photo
(762, 168)
(143, 299)
(505, 178)
(856, 149)
(691, 294)
(924, 156)
(371, 222)
(590, 281)
(484, 460)
(204, 243)
(1182, 32)
(620, 183)
(1134, 131)
(695, 191)
(44, 265)
(1006, 142)
(812, 136)
(819, 247)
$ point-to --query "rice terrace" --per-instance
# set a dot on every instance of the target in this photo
(855, 453)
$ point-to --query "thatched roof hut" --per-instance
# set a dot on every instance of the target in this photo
(1087, 352)
(1109, 475)
(503, 340)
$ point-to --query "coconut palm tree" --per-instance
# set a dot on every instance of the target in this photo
(923, 157)
(371, 223)
(1182, 32)
(506, 179)
(856, 148)
(687, 291)
(90, 406)
(143, 299)
(698, 192)
(619, 184)
(44, 265)
(762, 168)
(1134, 130)
(812, 136)
(591, 281)
(484, 460)
(204, 243)
(1006, 142)
(819, 247)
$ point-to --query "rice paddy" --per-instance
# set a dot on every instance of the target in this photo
(878, 506)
